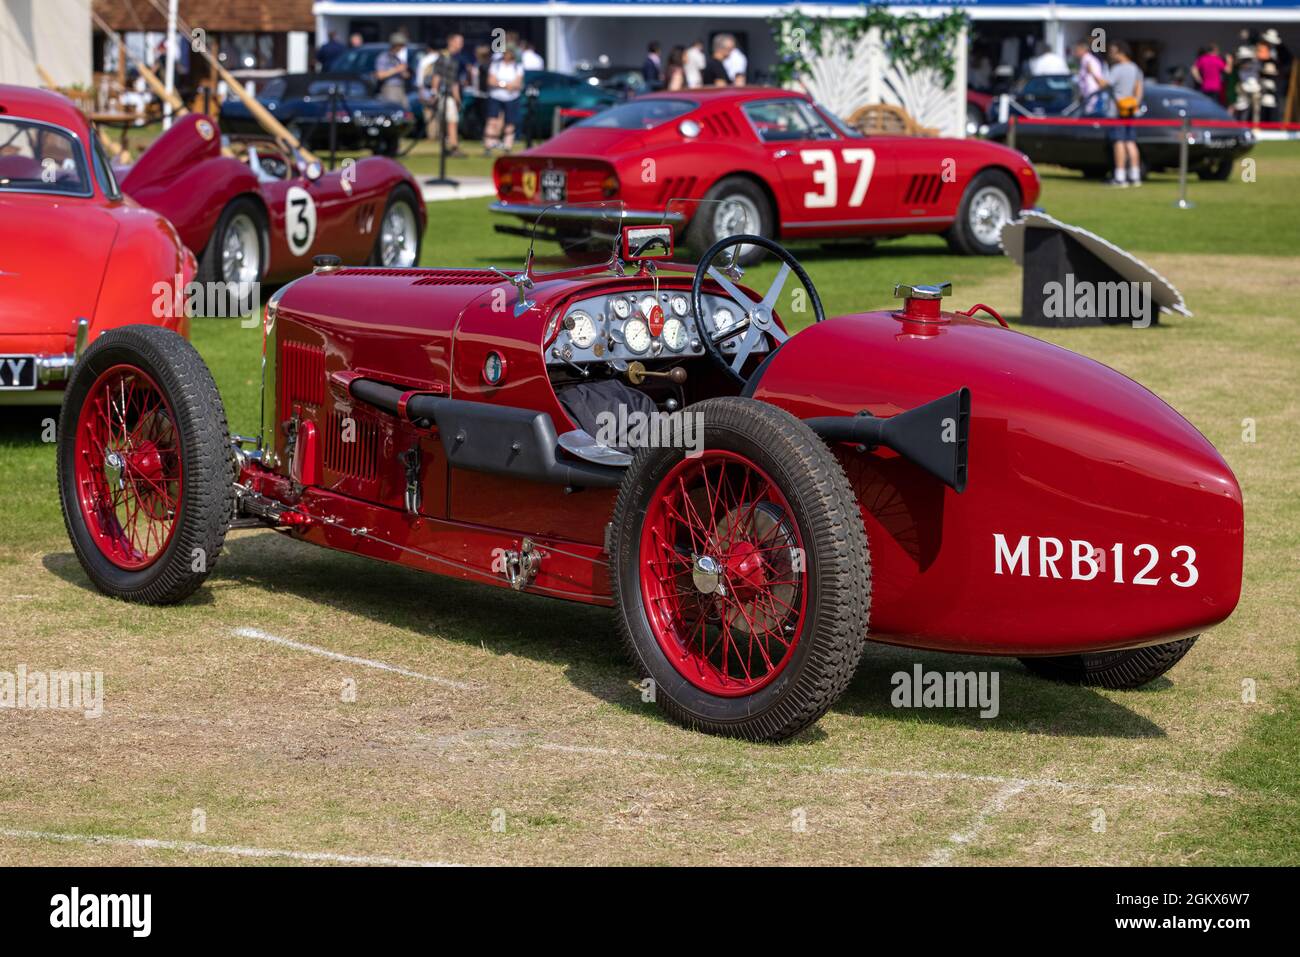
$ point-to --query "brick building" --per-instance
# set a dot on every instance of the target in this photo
(249, 35)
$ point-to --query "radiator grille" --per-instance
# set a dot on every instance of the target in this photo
(302, 375)
(351, 445)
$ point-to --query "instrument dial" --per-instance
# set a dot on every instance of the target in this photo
(622, 308)
(582, 330)
(675, 337)
(636, 336)
(679, 306)
(723, 319)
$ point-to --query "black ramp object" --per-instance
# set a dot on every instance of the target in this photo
(1073, 277)
(934, 435)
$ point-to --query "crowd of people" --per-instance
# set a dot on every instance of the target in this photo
(689, 67)
(1252, 81)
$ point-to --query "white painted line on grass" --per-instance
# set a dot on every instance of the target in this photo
(260, 635)
(865, 771)
(943, 855)
(193, 847)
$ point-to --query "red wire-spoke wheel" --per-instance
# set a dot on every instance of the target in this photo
(128, 467)
(723, 576)
(740, 572)
(146, 469)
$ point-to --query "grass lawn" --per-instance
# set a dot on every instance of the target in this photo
(544, 752)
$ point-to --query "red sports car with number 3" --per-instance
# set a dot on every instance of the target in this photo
(262, 214)
(649, 435)
(769, 162)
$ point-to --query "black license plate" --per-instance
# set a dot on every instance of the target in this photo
(554, 185)
(17, 372)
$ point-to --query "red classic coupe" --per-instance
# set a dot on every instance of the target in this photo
(975, 490)
(261, 215)
(76, 256)
(769, 162)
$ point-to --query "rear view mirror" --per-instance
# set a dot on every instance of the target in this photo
(647, 242)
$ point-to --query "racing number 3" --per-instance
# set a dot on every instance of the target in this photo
(827, 176)
(299, 220)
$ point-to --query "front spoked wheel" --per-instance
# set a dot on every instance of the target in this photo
(146, 474)
(741, 573)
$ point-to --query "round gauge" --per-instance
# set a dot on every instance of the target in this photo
(622, 308)
(679, 305)
(647, 305)
(723, 319)
(582, 331)
(674, 336)
(636, 336)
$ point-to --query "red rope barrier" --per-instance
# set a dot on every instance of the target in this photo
(1136, 121)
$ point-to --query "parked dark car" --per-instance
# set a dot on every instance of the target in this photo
(1211, 152)
(625, 81)
(360, 62)
(303, 103)
(545, 92)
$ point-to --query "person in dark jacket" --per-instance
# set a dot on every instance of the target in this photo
(329, 52)
(652, 70)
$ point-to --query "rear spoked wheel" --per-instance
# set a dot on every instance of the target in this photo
(741, 573)
(145, 468)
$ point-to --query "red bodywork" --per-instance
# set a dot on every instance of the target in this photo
(819, 188)
(100, 256)
(1072, 466)
(185, 176)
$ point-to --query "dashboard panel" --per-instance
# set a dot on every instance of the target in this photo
(641, 325)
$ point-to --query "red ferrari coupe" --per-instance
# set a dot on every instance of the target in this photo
(262, 214)
(769, 162)
(76, 257)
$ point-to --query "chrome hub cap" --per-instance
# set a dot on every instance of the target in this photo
(241, 251)
(114, 466)
(397, 245)
(989, 212)
(706, 574)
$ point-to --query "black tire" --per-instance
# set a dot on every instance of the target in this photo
(837, 567)
(210, 262)
(401, 194)
(1218, 170)
(701, 233)
(1112, 669)
(961, 236)
(206, 495)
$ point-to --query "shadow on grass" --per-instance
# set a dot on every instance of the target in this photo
(583, 640)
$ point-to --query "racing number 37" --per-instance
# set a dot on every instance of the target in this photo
(827, 176)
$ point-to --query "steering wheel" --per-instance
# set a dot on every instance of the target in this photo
(758, 320)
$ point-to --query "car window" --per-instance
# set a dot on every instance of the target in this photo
(348, 88)
(35, 158)
(104, 170)
(777, 121)
(640, 114)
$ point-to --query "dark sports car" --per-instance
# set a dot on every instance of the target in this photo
(547, 92)
(1211, 151)
(303, 103)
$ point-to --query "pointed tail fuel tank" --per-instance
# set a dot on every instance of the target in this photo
(1091, 515)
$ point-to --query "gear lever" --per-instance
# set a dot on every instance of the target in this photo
(638, 373)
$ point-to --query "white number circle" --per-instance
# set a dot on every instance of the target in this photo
(299, 220)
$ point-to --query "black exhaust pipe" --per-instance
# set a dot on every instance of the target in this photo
(933, 435)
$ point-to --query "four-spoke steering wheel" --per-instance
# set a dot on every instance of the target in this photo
(758, 320)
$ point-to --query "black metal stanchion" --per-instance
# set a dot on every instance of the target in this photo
(442, 179)
(334, 123)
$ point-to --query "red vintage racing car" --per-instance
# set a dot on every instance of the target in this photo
(648, 434)
(262, 214)
(76, 256)
(769, 162)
